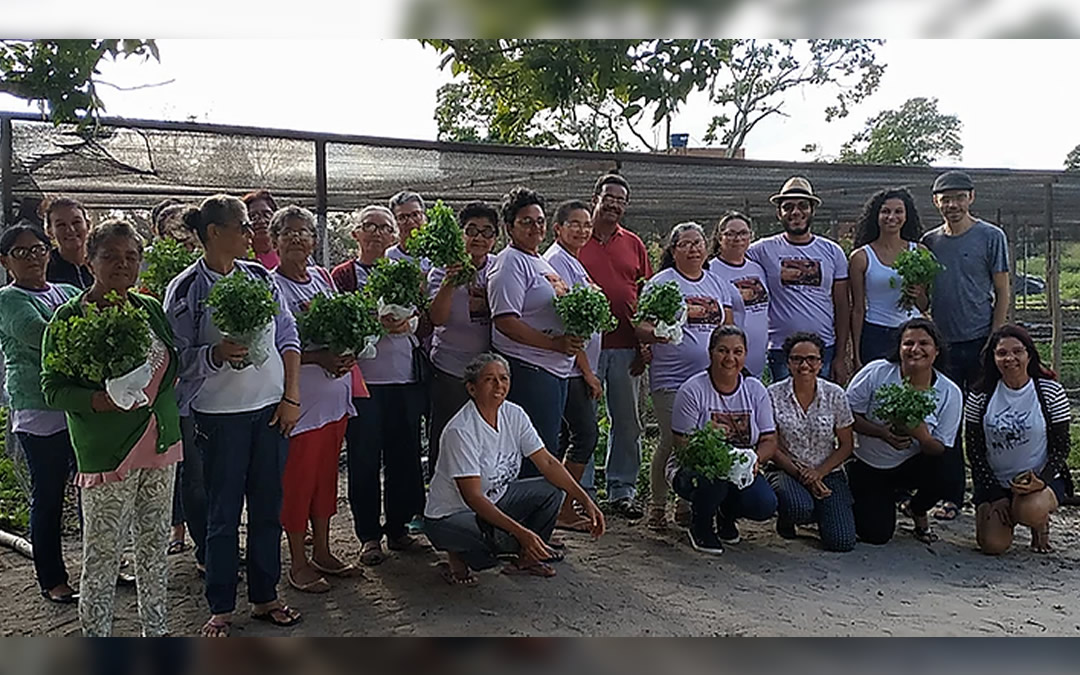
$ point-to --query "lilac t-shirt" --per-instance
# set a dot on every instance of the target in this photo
(467, 331)
(395, 253)
(573, 273)
(750, 306)
(524, 286)
(706, 299)
(393, 362)
(800, 280)
(323, 399)
(41, 423)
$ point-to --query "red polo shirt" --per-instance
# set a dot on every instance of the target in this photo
(618, 266)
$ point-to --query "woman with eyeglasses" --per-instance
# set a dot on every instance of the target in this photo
(243, 416)
(708, 305)
(522, 287)
(260, 208)
(462, 320)
(813, 422)
(385, 434)
(889, 225)
(68, 224)
(309, 487)
(750, 301)
(26, 306)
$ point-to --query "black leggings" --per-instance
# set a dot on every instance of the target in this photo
(874, 492)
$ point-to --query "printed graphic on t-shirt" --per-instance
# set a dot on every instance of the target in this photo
(736, 426)
(558, 284)
(1009, 430)
(752, 290)
(479, 310)
(703, 310)
(506, 469)
(800, 272)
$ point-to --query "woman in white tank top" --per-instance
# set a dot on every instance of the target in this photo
(889, 224)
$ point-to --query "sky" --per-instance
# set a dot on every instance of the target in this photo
(1017, 109)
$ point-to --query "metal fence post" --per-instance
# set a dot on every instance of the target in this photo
(1053, 280)
(320, 202)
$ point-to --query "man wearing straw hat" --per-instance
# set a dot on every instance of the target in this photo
(807, 278)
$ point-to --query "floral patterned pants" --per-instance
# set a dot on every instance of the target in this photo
(142, 505)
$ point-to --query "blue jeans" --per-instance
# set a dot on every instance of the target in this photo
(962, 367)
(833, 515)
(385, 434)
(243, 458)
(543, 396)
(624, 438)
(577, 439)
(778, 364)
(51, 461)
(721, 499)
(192, 489)
(877, 342)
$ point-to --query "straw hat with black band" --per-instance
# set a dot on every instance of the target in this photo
(796, 187)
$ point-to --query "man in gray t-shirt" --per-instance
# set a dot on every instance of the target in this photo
(971, 295)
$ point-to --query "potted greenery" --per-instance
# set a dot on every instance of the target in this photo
(347, 324)
(663, 306)
(585, 310)
(243, 308)
(440, 241)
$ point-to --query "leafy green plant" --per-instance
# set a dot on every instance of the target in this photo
(903, 406)
(343, 323)
(242, 304)
(14, 502)
(440, 241)
(660, 302)
(397, 282)
(584, 311)
(164, 261)
(101, 344)
(708, 452)
(916, 267)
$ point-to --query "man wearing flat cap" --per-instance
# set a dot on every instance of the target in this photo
(807, 279)
(970, 298)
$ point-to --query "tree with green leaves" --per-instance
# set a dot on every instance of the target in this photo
(916, 134)
(62, 75)
(1072, 160)
(761, 74)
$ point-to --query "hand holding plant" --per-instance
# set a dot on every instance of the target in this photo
(917, 269)
(440, 241)
(243, 308)
(584, 311)
(663, 306)
(903, 407)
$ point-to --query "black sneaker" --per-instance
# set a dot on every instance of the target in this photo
(726, 531)
(785, 529)
(705, 541)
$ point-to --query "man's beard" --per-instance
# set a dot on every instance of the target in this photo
(802, 229)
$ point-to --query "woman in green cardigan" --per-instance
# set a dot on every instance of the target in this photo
(126, 459)
(26, 305)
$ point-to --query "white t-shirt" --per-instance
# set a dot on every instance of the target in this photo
(1015, 432)
(943, 423)
(469, 447)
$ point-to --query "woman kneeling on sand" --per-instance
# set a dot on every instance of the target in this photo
(1017, 436)
(477, 509)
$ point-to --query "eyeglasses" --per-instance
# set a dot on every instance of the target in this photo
(27, 252)
(296, 234)
(808, 360)
(262, 216)
(577, 225)
(690, 243)
(485, 232)
(382, 228)
(789, 206)
(529, 222)
(612, 199)
(412, 216)
(728, 234)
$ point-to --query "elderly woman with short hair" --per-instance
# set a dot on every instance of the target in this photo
(309, 486)
(126, 458)
(478, 508)
(385, 434)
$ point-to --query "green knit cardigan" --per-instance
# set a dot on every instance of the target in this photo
(103, 439)
(23, 318)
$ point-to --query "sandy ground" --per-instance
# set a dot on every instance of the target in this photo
(635, 582)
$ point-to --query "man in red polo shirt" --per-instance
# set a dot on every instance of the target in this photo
(617, 260)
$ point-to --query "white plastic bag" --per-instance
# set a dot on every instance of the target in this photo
(369, 351)
(259, 344)
(672, 331)
(742, 472)
(399, 312)
(126, 391)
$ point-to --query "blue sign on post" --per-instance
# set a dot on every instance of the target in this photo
(680, 140)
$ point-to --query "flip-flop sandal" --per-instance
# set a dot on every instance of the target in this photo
(69, 598)
(538, 570)
(372, 554)
(346, 571)
(176, 546)
(557, 556)
(449, 577)
(213, 629)
(320, 585)
(947, 511)
(556, 543)
(925, 535)
(282, 617)
(580, 525)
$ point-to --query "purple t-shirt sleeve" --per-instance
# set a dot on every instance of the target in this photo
(686, 410)
(762, 406)
(506, 286)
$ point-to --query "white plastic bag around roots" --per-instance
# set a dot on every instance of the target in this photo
(742, 469)
(369, 351)
(399, 312)
(126, 391)
(672, 331)
(259, 343)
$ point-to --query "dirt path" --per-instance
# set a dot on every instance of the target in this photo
(634, 582)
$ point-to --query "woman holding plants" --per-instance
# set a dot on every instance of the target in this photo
(722, 397)
(245, 400)
(385, 434)
(907, 414)
(813, 420)
(708, 302)
(26, 305)
(461, 317)
(309, 486)
(750, 300)
(522, 287)
(126, 455)
(1017, 433)
(889, 225)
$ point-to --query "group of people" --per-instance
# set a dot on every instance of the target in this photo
(487, 375)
